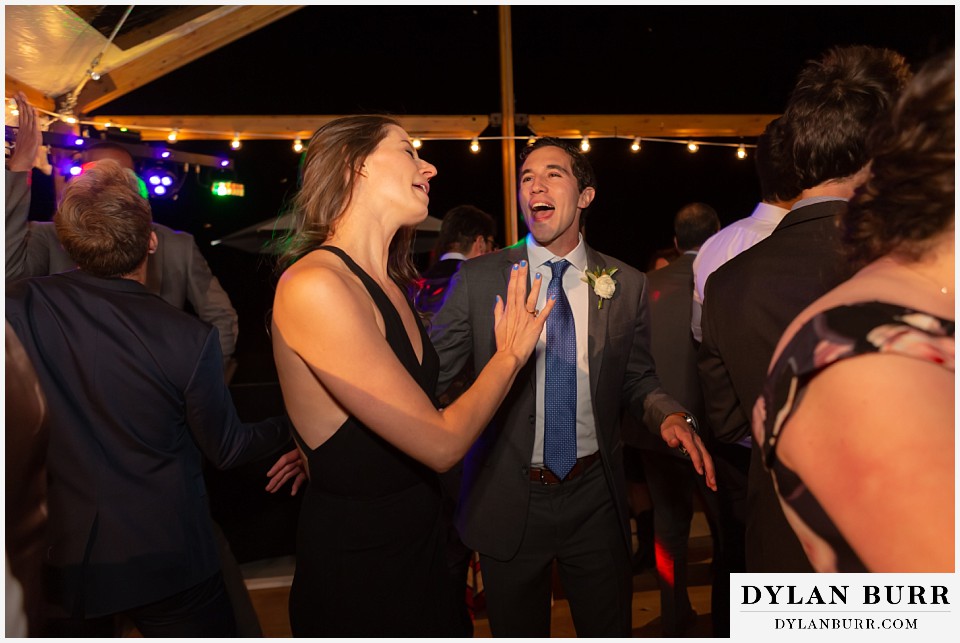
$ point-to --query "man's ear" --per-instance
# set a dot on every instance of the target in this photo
(586, 198)
(153, 244)
(479, 246)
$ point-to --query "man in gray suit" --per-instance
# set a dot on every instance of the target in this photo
(545, 481)
(671, 482)
(176, 271)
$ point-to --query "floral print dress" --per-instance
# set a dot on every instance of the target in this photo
(833, 335)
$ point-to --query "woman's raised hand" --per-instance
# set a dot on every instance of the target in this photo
(517, 323)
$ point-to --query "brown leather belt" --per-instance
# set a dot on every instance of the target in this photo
(546, 476)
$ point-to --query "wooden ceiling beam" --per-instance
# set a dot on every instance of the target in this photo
(223, 127)
(177, 53)
(34, 96)
(652, 125)
(153, 128)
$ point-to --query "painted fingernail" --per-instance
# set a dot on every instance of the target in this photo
(553, 297)
(538, 275)
(515, 266)
(523, 262)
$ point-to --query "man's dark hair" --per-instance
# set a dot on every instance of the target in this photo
(909, 197)
(694, 224)
(778, 180)
(582, 170)
(461, 226)
(832, 107)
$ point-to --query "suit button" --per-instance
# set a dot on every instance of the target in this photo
(533, 419)
(525, 470)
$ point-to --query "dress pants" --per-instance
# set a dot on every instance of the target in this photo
(673, 483)
(732, 462)
(576, 524)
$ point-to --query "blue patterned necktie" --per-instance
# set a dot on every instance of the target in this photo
(560, 385)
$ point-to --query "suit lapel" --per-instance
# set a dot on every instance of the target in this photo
(598, 319)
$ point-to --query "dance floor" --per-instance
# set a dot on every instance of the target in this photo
(269, 583)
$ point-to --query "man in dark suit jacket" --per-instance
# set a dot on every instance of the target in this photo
(175, 270)
(466, 232)
(669, 477)
(517, 512)
(750, 300)
(135, 393)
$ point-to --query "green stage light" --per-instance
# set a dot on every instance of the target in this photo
(227, 188)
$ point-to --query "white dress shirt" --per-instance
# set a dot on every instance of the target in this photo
(727, 244)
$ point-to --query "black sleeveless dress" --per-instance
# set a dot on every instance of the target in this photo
(370, 541)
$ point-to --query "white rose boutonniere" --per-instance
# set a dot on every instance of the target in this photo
(601, 280)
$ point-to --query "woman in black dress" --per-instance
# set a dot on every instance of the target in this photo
(358, 375)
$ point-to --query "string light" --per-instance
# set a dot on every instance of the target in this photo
(173, 134)
(475, 145)
(12, 105)
(94, 75)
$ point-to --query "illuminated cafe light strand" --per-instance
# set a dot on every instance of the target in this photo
(529, 139)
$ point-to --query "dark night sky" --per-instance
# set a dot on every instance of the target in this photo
(567, 60)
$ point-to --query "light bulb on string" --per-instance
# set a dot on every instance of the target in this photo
(172, 136)
(235, 143)
(585, 144)
(693, 147)
(531, 140)
(475, 145)
(298, 145)
(94, 75)
(67, 118)
(635, 146)
(417, 143)
(13, 108)
(741, 152)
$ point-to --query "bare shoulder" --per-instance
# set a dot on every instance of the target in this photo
(316, 286)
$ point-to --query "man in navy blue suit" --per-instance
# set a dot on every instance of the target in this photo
(136, 396)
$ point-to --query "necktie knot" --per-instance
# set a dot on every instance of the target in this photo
(559, 267)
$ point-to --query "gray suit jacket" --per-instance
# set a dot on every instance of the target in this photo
(177, 271)
(496, 483)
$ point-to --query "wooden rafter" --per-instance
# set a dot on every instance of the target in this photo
(451, 127)
(154, 128)
(654, 125)
(166, 58)
(35, 96)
